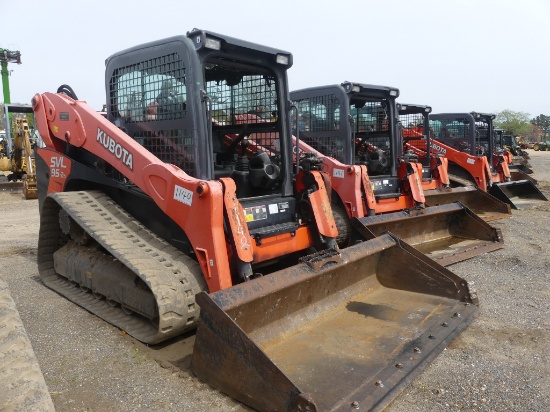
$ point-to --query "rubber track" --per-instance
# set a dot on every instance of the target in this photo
(22, 387)
(173, 277)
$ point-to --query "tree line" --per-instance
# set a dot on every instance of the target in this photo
(535, 129)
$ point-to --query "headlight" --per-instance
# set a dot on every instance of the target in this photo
(213, 44)
(282, 59)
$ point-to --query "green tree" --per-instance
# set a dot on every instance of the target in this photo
(535, 135)
(514, 123)
(543, 122)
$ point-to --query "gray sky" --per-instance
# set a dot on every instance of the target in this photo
(455, 55)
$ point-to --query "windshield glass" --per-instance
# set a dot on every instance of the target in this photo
(454, 132)
(243, 107)
(319, 124)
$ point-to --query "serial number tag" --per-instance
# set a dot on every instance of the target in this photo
(183, 195)
(338, 173)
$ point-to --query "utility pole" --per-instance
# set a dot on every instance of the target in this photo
(7, 56)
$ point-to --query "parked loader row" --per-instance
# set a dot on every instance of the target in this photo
(301, 234)
(376, 186)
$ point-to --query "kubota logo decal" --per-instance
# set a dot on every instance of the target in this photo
(115, 148)
(439, 148)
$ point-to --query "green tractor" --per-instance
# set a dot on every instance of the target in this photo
(542, 146)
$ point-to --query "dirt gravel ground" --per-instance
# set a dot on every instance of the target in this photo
(499, 363)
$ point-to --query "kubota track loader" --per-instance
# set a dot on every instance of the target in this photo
(466, 139)
(516, 162)
(353, 129)
(414, 121)
(516, 146)
(175, 201)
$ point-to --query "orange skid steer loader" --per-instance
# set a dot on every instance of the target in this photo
(151, 221)
(466, 139)
(435, 179)
(518, 165)
(353, 129)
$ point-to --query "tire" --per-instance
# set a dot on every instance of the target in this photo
(343, 224)
(536, 148)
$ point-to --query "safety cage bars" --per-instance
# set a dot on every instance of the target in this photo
(319, 124)
(498, 138)
(150, 92)
(243, 106)
(412, 129)
(371, 125)
(174, 146)
(482, 138)
(454, 132)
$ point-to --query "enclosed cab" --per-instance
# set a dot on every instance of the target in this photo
(329, 115)
(414, 127)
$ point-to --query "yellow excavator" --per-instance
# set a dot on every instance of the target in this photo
(16, 152)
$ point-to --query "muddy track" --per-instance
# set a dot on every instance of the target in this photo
(173, 278)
